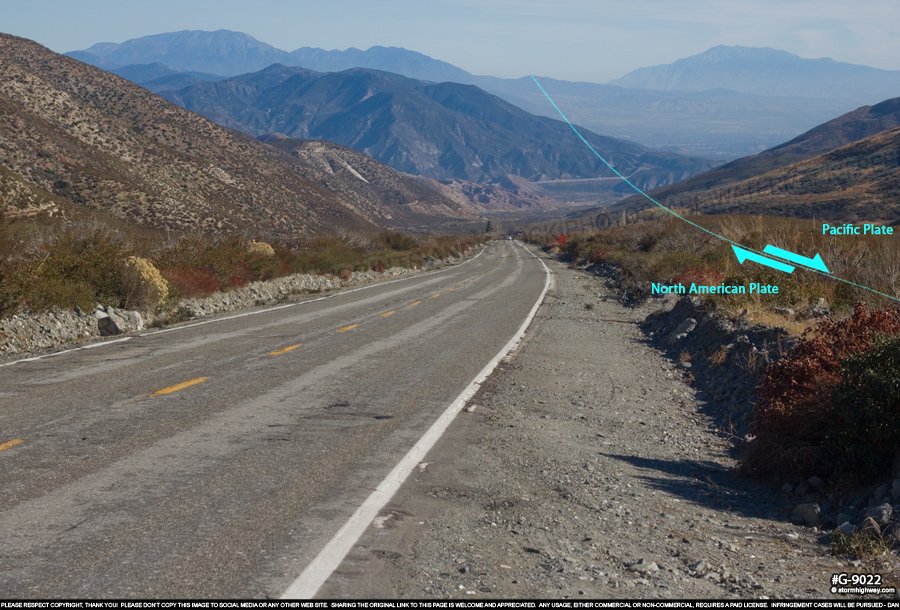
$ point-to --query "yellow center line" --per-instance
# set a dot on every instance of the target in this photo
(388, 314)
(180, 386)
(10, 444)
(344, 329)
(414, 303)
(435, 295)
(284, 350)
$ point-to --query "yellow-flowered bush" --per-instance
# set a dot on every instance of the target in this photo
(145, 287)
(260, 248)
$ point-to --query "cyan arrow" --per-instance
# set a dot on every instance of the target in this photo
(745, 255)
(812, 263)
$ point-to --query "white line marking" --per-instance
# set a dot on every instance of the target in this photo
(325, 298)
(243, 315)
(332, 554)
(67, 351)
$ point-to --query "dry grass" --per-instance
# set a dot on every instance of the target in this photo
(668, 251)
(759, 313)
(86, 264)
(861, 544)
(720, 356)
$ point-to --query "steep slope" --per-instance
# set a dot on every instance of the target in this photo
(767, 72)
(856, 182)
(444, 131)
(848, 128)
(73, 136)
(350, 174)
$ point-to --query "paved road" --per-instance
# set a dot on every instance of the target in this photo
(217, 460)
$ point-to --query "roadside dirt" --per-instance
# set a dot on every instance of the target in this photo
(588, 468)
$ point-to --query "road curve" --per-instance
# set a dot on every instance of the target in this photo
(218, 460)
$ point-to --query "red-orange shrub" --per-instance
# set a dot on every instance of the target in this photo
(794, 416)
(192, 281)
(699, 275)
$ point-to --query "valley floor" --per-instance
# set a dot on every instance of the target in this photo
(586, 469)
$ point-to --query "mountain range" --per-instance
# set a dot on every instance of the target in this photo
(76, 142)
(724, 103)
(438, 130)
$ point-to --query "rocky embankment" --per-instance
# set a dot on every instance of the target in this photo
(725, 359)
(26, 334)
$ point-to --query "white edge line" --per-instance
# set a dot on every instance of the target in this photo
(325, 298)
(68, 351)
(242, 315)
(332, 554)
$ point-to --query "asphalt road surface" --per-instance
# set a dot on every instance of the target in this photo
(217, 460)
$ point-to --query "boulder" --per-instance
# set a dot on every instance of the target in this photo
(846, 528)
(815, 483)
(686, 327)
(819, 310)
(107, 325)
(128, 320)
(112, 321)
(806, 514)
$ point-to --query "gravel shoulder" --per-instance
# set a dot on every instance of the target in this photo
(587, 468)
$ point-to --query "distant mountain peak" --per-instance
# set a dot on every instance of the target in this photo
(765, 71)
(223, 52)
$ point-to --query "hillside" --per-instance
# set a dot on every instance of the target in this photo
(349, 174)
(846, 129)
(442, 131)
(766, 72)
(856, 182)
(73, 137)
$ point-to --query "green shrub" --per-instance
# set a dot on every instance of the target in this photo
(865, 429)
(398, 241)
(11, 288)
(76, 271)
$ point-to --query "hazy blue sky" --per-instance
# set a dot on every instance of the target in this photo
(592, 40)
